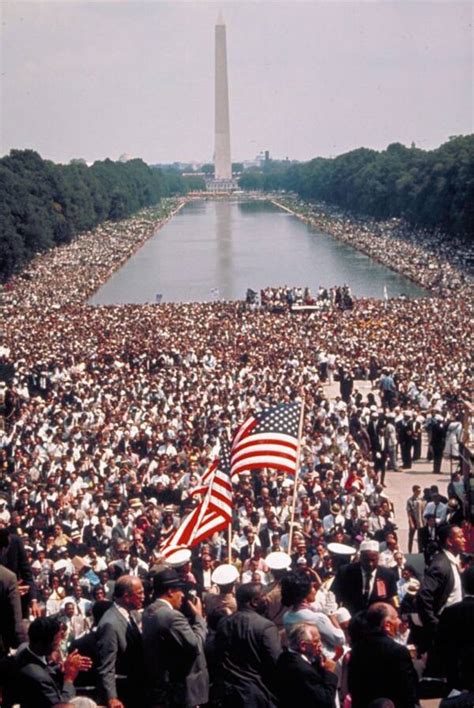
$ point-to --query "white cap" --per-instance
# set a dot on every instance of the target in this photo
(369, 546)
(341, 549)
(179, 558)
(61, 564)
(225, 574)
(278, 560)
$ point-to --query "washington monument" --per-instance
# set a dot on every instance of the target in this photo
(222, 161)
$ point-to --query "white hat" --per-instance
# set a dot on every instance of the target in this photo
(341, 549)
(277, 560)
(369, 546)
(178, 558)
(61, 564)
(225, 574)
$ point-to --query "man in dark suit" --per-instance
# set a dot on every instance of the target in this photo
(248, 548)
(454, 636)
(379, 667)
(13, 556)
(305, 676)
(248, 646)
(441, 585)
(358, 585)
(267, 532)
(12, 632)
(37, 684)
(120, 647)
(428, 538)
(174, 646)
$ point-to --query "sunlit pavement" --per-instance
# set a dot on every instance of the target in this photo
(399, 484)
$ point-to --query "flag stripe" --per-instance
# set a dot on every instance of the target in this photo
(268, 439)
(213, 513)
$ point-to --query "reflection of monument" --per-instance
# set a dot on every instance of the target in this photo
(222, 161)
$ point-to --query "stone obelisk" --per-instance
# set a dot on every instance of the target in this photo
(222, 161)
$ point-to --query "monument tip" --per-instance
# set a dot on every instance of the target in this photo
(220, 19)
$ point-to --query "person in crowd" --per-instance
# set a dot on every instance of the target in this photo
(36, 684)
(455, 632)
(224, 577)
(380, 667)
(12, 631)
(360, 584)
(429, 538)
(120, 647)
(87, 682)
(306, 677)
(298, 592)
(249, 647)
(13, 557)
(415, 507)
(174, 646)
(441, 586)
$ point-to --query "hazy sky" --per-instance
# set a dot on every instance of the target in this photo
(97, 79)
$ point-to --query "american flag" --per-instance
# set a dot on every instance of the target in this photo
(268, 439)
(213, 513)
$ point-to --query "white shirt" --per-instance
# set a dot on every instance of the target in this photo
(456, 592)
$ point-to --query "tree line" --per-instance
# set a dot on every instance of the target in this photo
(429, 189)
(43, 204)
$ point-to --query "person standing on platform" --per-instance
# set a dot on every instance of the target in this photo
(249, 647)
(120, 647)
(380, 667)
(441, 585)
(174, 646)
(306, 677)
(12, 632)
(358, 585)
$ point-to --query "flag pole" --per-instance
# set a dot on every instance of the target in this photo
(297, 471)
(203, 509)
(229, 541)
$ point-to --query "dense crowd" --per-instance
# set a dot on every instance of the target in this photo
(438, 262)
(71, 273)
(113, 414)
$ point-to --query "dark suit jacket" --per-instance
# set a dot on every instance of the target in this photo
(120, 650)
(347, 587)
(435, 589)
(38, 685)
(381, 668)
(15, 559)
(428, 546)
(248, 646)
(454, 637)
(174, 657)
(12, 632)
(304, 684)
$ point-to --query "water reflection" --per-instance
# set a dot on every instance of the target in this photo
(218, 249)
(224, 260)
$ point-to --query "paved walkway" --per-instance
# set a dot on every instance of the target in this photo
(399, 484)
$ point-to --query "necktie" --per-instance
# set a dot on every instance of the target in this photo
(366, 590)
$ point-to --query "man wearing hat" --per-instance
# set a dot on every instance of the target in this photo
(174, 646)
(278, 564)
(224, 576)
(358, 585)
